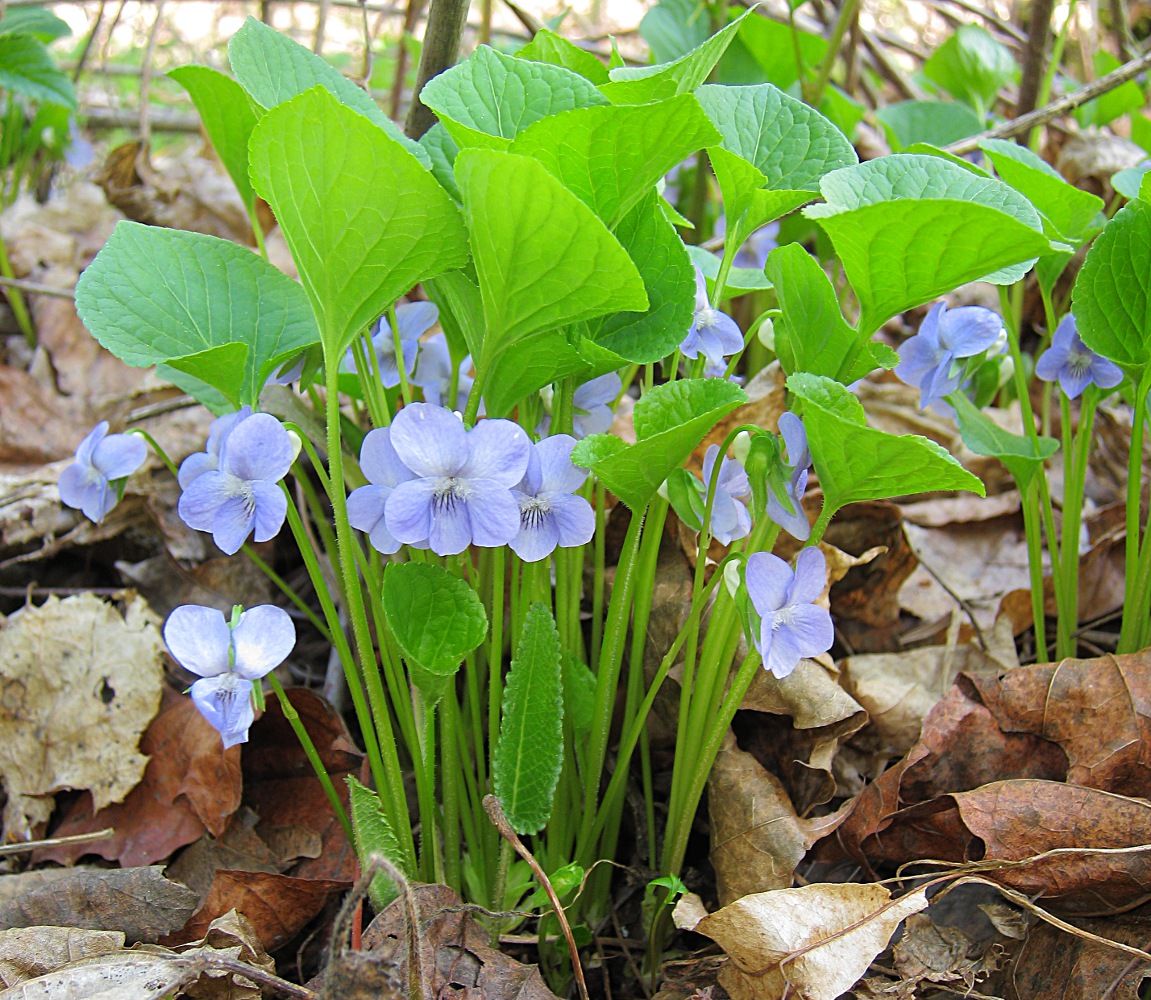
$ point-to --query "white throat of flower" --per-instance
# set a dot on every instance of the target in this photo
(449, 491)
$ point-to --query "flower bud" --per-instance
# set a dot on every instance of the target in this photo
(766, 333)
(546, 395)
(297, 444)
(741, 446)
(662, 491)
(732, 577)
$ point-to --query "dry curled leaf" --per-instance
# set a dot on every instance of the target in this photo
(813, 942)
(78, 685)
(28, 952)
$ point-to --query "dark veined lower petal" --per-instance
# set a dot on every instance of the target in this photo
(262, 638)
(198, 639)
(226, 702)
(232, 524)
(536, 540)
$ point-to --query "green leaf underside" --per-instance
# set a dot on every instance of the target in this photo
(27, 69)
(670, 421)
(220, 367)
(274, 69)
(490, 98)
(443, 150)
(548, 47)
(672, 28)
(669, 281)
(611, 157)
(542, 257)
(984, 436)
(435, 617)
(1112, 295)
(536, 360)
(363, 219)
(856, 462)
(1070, 210)
(811, 335)
(528, 757)
(937, 122)
(790, 144)
(154, 295)
(1127, 182)
(768, 49)
(645, 84)
(373, 835)
(900, 254)
(228, 118)
(36, 21)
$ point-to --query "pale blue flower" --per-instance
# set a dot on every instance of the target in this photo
(550, 513)
(384, 471)
(101, 459)
(713, 334)
(591, 412)
(208, 460)
(759, 244)
(799, 459)
(241, 494)
(434, 374)
(462, 490)
(228, 659)
(1074, 364)
(412, 319)
(931, 359)
(729, 517)
(792, 626)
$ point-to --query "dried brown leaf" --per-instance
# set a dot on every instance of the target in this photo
(28, 952)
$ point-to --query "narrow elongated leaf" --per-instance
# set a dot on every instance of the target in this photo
(645, 84)
(528, 757)
(363, 219)
(670, 421)
(374, 835)
(548, 47)
(984, 436)
(27, 69)
(611, 157)
(856, 462)
(154, 295)
(1112, 295)
(274, 69)
(791, 144)
(435, 617)
(228, 118)
(543, 258)
(489, 98)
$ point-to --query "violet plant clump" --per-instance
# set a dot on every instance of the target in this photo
(103, 461)
(1073, 365)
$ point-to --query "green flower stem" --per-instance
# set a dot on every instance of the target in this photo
(160, 453)
(826, 513)
(496, 648)
(1135, 601)
(563, 408)
(1076, 449)
(370, 384)
(453, 792)
(1033, 529)
(284, 588)
(401, 362)
(597, 592)
(473, 408)
(607, 678)
(313, 756)
(258, 231)
(431, 863)
(393, 790)
(16, 298)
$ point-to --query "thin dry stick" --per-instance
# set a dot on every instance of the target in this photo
(77, 838)
(496, 814)
(321, 24)
(1035, 55)
(411, 15)
(366, 78)
(36, 288)
(88, 42)
(1088, 92)
(146, 80)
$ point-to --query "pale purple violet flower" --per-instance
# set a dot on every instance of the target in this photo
(931, 358)
(462, 493)
(288, 372)
(413, 319)
(759, 244)
(434, 373)
(799, 458)
(1074, 364)
(242, 494)
(729, 517)
(591, 412)
(713, 334)
(550, 513)
(384, 471)
(228, 659)
(208, 460)
(792, 626)
(101, 459)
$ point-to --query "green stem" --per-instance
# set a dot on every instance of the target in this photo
(1033, 530)
(1135, 601)
(1076, 450)
(287, 591)
(16, 298)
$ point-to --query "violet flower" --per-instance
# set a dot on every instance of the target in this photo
(101, 459)
(384, 471)
(434, 374)
(550, 513)
(1074, 364)
(413, 319)
(208, 460)
(462, 490)
(591, 412)
(729, 517)
(931, 359)
(228, 658)
(713, 334)
(241, 493)
(799, 459)
(792, 626)
(759, 244)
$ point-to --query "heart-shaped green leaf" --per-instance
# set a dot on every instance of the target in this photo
(435, 617)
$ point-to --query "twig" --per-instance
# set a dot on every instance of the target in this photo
(411, 15)
(1069, 102)
(88, 42)
(146, 81)
(496, 814)
(990, 17)
(206, 963)
(1034, 55)
(321, 24)
(445, 27)
(76, 838)
(36, 288)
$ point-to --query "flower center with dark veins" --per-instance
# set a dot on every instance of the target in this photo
(534, 512)
(1079, 362)
(241, 489)
(449, 492)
